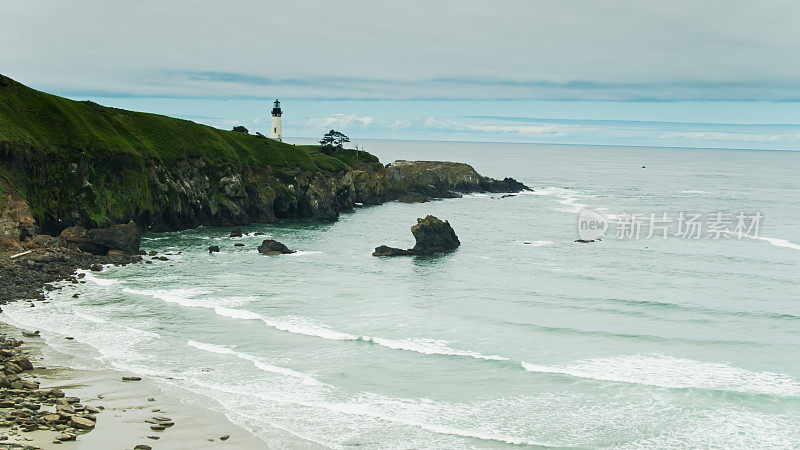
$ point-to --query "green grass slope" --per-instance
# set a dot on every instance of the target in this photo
(37, 119)
(50, 144)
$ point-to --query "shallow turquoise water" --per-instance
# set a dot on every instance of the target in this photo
(622, 343)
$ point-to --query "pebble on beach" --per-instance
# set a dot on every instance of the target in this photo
(24, 407)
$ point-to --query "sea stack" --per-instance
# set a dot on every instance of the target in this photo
(432, 235)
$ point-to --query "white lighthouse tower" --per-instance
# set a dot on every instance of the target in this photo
(276, 133)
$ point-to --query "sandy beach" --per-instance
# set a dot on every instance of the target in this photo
(125, 408)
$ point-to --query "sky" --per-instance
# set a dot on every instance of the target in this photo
(670, 73)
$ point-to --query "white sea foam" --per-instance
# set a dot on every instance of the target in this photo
(257, 362)
(90, 318)
(537, 243)
(671, 372)
(233, 313)
(303, 326)
(546, 191)
(566, 197)
(778, 242)
(299, 325)
(571, 202)
(689, 191)
(774, 241)
(375, 412)
(181, 297)
(428, 347)
(370, 410)
(88, 276)
(142, 332)
(477, 195)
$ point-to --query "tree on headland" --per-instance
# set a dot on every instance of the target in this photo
(240, 129)
(333, 140)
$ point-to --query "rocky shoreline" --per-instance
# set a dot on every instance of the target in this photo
(27, 275)
(24, 408)
(31, 263)
(98, 408)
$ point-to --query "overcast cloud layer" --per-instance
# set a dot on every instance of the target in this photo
(554, 49)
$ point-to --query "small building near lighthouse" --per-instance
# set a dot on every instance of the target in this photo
(276, 132)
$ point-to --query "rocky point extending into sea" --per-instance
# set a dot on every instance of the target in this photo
(72, 199)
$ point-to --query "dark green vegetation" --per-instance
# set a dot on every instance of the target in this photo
(3, 194)
(333, 140)
(77, 162)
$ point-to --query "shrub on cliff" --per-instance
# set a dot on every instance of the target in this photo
(333, 140)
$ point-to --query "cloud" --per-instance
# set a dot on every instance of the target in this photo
(362, 49)
(339, 121)
(723, 136)
(619, 132)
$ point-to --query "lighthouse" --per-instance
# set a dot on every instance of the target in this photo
(277, 133)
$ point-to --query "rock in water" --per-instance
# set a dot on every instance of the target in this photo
(433, 236)
(213, 249)
(236, 232)
(273, 247)
(385, 250)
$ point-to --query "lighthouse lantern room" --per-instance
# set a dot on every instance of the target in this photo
(276, 133)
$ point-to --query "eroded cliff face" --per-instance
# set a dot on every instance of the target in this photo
(16, 221)
(192, 193)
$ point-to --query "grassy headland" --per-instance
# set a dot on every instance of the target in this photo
(59, 152)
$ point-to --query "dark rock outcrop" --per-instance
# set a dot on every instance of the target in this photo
(385, 250)
(24, 276)
(432, 235)
(417, 181)
(16, 221)
(213, 249)
(273, 247)
(191, 193)
(236, 232)
(100, 241)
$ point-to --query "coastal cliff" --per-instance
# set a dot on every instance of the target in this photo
(68, 163)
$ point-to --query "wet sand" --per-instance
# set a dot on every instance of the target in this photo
(125, 406)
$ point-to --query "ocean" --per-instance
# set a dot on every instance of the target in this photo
(519, 337)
